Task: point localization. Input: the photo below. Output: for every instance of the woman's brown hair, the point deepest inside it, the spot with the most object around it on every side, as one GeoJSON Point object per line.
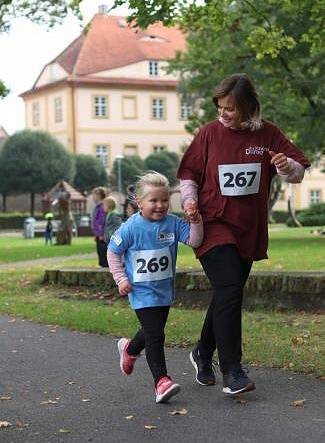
{"type": "Point", "coordinates": [100, 191]}
{"type": "Point", "coordinates": [242, 91]}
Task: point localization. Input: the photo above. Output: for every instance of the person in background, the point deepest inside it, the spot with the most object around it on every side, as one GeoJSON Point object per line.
{"type": "Point", "coordinates": [98, 224]}
{"type": "Point", "coordinates": [113, 219]}
{"type": "Point", "coordinates": [131, 208]}
{"type": "Point", "coordinates": [49, 229]}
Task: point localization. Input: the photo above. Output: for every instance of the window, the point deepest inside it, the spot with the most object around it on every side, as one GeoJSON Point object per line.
{"type": "Point", "coordinates": [159, 148]}
{"type": "Point", "coordinates": [35, 114]}
{"type": "Point", "coordinates": [153, 68]}
{"type": "Point", "coordinates": [100, 103]}
{"type": "Point", "coordinates": [185, 110]}
{"type": "Point", "coordinates": [129, 107]}
{"type": "Point", "coordinates": [315, 196]}
{"type": "Point", "coordinates": [130, 150]}
{"type": "Point", "coordinates": [58, 110]}
{"type": "Point", "coordinates": [158, 108]}
{"type": "Point", "coordinates": [102, 154]}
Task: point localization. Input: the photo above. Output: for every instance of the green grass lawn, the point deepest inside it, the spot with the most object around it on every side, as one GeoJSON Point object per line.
{"type": "Point", "coordinates": [290, 249]}
{"type": "Point", "coordinates": [14, 249]}
{"type": "Point", "coordinates": [284, 340]}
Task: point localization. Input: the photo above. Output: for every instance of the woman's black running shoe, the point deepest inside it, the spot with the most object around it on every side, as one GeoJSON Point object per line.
{"type": "Point", "coordinates": [205, 372]}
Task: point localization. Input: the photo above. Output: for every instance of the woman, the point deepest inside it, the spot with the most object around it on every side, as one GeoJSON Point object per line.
{"type": "Point", "coordinates": [227, 171]}
{"type": "Point", "coordinates": [98, 224]}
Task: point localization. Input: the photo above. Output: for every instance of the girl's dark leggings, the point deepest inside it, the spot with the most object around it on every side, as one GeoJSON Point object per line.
{"type": "Point", "coordinates": [222, 328]}
{"type": "Point", "coordinates": [151, 337]}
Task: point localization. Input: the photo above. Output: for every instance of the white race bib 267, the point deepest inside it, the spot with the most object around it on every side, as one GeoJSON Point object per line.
{"type": "Point", "coordinates": [239, 179]}
{"type": "Point", "coordinates": [152, 265]}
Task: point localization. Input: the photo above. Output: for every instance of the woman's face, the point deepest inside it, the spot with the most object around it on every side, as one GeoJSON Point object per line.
{"type": "Point", "coordinates": [228, 113]}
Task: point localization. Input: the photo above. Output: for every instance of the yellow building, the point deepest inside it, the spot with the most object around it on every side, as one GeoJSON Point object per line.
{"type": "Point", "coordinates": [108, 94]}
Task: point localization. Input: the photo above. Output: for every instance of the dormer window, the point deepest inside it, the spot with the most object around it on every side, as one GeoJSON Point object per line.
{"type": "Point", "coordinates": [153, 68]}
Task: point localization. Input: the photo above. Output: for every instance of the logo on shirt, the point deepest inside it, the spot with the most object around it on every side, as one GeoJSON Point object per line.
{"type": "Point", "coordinates": [116, 239]}
{"type": "Point", "coordinates": [166, 236]}
{"type": "Point", "coordinates": [256, 150]}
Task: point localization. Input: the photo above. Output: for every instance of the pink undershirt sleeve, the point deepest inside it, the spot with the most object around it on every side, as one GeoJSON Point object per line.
{"type": "Point", "coordinates": [196, 234]}
{"type": "Point", "coordinates": [116, 267]}
{"type": "Point", "coordinates": [296, 174]}
{"type": "Point", "coordinates": [189, 191]}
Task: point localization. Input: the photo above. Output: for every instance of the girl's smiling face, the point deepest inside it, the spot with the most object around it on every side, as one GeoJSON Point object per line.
{"type": "Point", "coordinates": [228, 113]}
{"type": "Point", "coordinates": [155, 203]}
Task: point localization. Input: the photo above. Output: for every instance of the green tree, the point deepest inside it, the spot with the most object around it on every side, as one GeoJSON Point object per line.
{"type": "Point", "coordinates": [34, 162]}
{"type": "Point", "coordinates": [164, 162]}
{"type": "Point", "coordinates": [4, 191]}
{"type": "Point", "coordinates": [131, 167]}
{"type": "Point", "coordinates": [90, 172]}
{"type": "Point", "coordinates": [279, 43]}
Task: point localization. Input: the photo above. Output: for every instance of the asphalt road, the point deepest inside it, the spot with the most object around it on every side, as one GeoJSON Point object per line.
{"type": "Point", "coordinates": [63, 386]}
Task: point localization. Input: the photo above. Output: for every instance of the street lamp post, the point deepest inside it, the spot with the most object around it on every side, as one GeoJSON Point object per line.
{"type": "Point", "coordinates": [119, 159]}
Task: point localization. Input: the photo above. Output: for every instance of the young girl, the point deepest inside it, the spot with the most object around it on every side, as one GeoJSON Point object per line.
{"type": "Point", "coordinates": [113, 219]}
{"type": "Point", "coordinates": [149, 241]}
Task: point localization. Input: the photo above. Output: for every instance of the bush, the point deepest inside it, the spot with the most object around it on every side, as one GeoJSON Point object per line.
{"type": "Point", "coordinates": [15, 220]}
{"type": "Point", "coordinates": [280, 216]}
{"type": "Point", "coordinates": [312, 216]}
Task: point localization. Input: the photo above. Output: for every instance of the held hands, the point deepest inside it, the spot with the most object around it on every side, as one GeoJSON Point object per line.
{"type": "Point", "coordinates": [280, 161]}
{"type": "Point", "coordinates": [124, 287]}
{"type": "Point", "coordinates": [191, 210]}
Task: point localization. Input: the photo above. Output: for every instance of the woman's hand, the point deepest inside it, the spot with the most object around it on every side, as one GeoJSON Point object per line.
{"type": "Point", "coordinates": [192, 212]}
{"type": "Point", "coordinates": [280, 161]}
{"type": "Point", "coordinates": [124, 287]}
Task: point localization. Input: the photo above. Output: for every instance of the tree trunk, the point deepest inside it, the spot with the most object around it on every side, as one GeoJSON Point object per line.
{"type": "Point", "coordinates": [291, 207]}
{"type": "Point", "coordinates": [32, 204]}
{"type": "Point", "coordinates": [4, 203]}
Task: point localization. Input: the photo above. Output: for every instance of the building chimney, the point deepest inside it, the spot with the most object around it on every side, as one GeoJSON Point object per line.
{"type": "Point", "coordinates": [102, 9]}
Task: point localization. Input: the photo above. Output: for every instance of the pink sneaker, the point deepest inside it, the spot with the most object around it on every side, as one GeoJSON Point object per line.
{"type": "Point", "coordinates": [165, 389]}
{"type": "Point", "coordinates": [126, 361]}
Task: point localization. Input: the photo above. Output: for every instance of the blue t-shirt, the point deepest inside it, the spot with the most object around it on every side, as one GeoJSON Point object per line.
{"type": "Point", "coordinates": [150, 249]}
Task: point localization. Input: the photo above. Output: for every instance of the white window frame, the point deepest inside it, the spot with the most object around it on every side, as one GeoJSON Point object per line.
{"type": "Point", "coordinates": [58, 116]}
{"type": "Point", "coordinates": [102, 153]}
{"type": "Point", "coordinates": [158, 108]}
{"type": "Point", "coordinates": [35, 113]}
{"type": "Point", "coordinates": [315, 196]}
{"type": "Point", "coordinates": [100, 106]}
{"type": "Point", "coordinates": [153, 68]}
{"type": "Point", "coordinates": [185, 110]}
{"type": "Point", "coordinates": [159, 147]}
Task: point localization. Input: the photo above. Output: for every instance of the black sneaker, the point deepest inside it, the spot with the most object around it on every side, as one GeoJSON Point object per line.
{"type": "Point", "coordinates": [236, 381]}
{"type": "Point", "coordinates": [205, 373]}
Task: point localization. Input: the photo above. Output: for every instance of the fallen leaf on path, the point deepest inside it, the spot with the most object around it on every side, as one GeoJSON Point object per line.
{"type": "Point", "coordinates": [49, 402]}
{"type": "Point", "coordinates": [64, 431]}
{"type": "Point", "coordinates": [5, 398]}
{"type": "Point", "coordinates": [322, 378]}
{"type": "Point", "coordinates": [178, 412]}
{"type": "Point", "coordinates": [129, 417]}
{"type": "Point", "coordinates": [298, 403]}
{"type": "Point", "coordinates": [150, 427]}
{"type": "Point", "coordinates": [21, 424]}
{"type": "Point", "coordinates": [5, 424]}
{"type": "Point", "coordinates": [86, 400]}
{"type": "Point", "coordinates": [239, 399]}
{"type": "Point", "coordinates": [71, 383]}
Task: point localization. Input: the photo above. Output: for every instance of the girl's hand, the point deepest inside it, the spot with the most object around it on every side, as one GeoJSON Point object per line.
{"type": "Point", "coordinates": [280, 161]}
{"type": "Point", "coordinates": [191, 210]}
{"type": "Point", "coordinates": [124, 287]}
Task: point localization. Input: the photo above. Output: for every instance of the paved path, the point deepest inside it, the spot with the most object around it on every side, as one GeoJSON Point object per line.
{"type": "Point", "coordinates": [46, 261]}
{"type": "Point", "coordinates": [80, 372]}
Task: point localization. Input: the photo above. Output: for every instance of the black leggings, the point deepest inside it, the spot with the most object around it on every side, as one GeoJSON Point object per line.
{"type": "Point", "coordinates": [151, 337]}
{"type": "Point", "coordinates": [228, 273]}
{"type": "Point", "coordinates": [101, 247]}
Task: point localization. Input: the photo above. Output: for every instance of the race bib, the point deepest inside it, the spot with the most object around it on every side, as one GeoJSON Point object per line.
{"type": "Point", "coordinates": [152, 265]}
{"type": "Point", "coordinates": [239, 179]}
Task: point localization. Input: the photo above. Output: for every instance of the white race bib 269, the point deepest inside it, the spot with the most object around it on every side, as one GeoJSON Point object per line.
{"type": "Point", "coordinates": [152, 265]}
{"type": "Point", "coordinates": [239, 179]}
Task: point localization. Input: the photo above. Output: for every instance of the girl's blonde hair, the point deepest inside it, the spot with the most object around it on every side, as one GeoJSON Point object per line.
{"type": "Point", "coordinates": [150, 179]}
{"type": "Point", "coordinates": [100, 191]}
{"type": "Point", "coordinates": [110, 202]}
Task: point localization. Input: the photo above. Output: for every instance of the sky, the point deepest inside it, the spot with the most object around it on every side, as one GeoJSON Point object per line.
{"type": "Point", "coordinates": [27, 48]}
